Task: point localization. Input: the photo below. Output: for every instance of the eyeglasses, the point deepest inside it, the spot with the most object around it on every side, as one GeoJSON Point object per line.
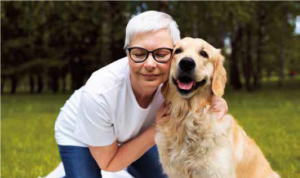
{"type": "Point", "coordinates": [139, 55]}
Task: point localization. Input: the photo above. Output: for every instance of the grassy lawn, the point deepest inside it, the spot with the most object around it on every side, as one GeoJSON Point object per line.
{"type": "Point", "coordinates": [28, 147]}
{"type": "Point", "coordinates": [270, 116]}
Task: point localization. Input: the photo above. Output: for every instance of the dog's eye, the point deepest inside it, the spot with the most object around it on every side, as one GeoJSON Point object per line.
{"type": "Point", "coordinates": [204, 54]}
{"type": "Point", "coordinates": [178, 50]}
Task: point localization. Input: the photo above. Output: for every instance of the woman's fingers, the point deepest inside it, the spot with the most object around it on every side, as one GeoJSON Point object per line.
{"type": "Point", "coordinates": [219, 106]}
{"type": "Point", "coordinates": [163, 111]}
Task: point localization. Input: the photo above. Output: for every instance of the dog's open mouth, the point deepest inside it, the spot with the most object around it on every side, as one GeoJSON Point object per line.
{"type": "Point", "coordinates": [186, 84]}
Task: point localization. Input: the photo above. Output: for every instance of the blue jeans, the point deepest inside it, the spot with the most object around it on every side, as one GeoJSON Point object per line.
{"type": "Point", "coordinates": [79, 163]}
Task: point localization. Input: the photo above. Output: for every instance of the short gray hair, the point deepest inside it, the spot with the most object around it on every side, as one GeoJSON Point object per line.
{"type": "Point", "coordinates": [151, 21]}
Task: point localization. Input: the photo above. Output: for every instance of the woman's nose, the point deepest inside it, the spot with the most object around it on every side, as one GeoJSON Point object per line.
{"type": "Point", "coordinates": [150, 63]}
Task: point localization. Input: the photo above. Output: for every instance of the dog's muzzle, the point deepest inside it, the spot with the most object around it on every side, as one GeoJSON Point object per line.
{"type": "Point", "coordinates": [185, 81]}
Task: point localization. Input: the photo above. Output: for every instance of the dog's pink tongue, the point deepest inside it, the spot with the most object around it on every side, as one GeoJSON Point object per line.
{"type": "Point", "coordinates": [185, 86]}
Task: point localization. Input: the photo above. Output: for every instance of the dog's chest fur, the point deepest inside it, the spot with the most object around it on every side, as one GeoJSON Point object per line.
{"type": "Point", "coordinates": [196, 147]}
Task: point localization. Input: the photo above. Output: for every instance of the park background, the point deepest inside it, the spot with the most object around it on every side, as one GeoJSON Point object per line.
{"type": "Point", "coordinates": [49, 49]}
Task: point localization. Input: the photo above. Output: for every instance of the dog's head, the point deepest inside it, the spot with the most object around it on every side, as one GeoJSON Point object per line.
{"type": "Point", "coordinates": [196, 66]}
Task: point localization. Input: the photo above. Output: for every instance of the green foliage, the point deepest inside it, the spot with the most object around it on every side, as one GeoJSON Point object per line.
{"type": "Point", "coordinates": [77, 37]}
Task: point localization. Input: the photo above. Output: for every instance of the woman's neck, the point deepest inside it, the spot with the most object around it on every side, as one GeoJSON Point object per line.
{"type": "Point", "coordinates": [142, 95]}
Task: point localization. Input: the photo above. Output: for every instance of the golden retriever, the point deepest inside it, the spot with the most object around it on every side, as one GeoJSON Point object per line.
{"type": "Point", "coordinates": [193, 143]}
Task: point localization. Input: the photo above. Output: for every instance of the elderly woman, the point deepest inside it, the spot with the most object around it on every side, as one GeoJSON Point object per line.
{"type": "Point", "coordinates": [109, 124]}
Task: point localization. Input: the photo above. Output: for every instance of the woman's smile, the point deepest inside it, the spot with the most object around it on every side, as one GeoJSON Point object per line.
{"type": "Point", "coordinates": [150, 76]}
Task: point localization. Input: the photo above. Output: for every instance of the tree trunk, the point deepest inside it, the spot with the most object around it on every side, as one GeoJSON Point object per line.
{"type": "Point", "coordinates": [282, 57]}
{"type": "Point", "coordinates": [77, 73]}
{"type": "Point", "coordinates": [54, 79]}
{"type": "Point", "coordinates": [260, 44]}
{"type": "Point", "coordinates": [247, 62]}
{"type": "Point", "coordinates": [63, 73]}
{"type": "Point", "coordinates": [281, 67]}
{"type": "Point", "coordinates": [31, 83]}
{"type": "Point", "coordinates": [40, 83]}
{"type": "Point", "coordinates": [14, 84]}
{"type": "Point", "coordinates": [235, 80]}
{"type": "Point", "coordinates": [3, 79]}
{"type": "Point", "coordinates": [64, 84]}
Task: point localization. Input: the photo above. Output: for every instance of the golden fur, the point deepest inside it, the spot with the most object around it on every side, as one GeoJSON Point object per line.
{"type": "Point", "coordinates": [192, 143]}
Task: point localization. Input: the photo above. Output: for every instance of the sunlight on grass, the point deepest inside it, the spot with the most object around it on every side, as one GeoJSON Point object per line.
{"type": "Point", "coordinates": [269, 116]}
{"type": "Point", "coordinates": [28, 144]}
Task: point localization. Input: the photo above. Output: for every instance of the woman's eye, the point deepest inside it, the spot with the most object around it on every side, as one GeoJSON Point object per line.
{"type": "Point", "coordinates": [177, 51]}
{"type": "Point", "coordinates": [204, 54]}
{"type": "Point", "coordinates": [139, 55]}
{"type": "Point", "coordinates": [161, 55]}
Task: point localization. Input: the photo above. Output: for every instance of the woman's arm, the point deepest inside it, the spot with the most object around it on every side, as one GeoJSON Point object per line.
{"type": "Point", "coordinates": [113, 158]}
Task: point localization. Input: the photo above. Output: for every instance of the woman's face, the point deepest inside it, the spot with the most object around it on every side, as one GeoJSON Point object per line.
{"type": "Point", "coordinates": [150, 73]}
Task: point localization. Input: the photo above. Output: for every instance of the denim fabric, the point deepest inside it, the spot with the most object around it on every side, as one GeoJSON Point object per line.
{"type": "Point", "coordinates": [79, 163]}
{"type": "Point", "coordinates": [147, 166]}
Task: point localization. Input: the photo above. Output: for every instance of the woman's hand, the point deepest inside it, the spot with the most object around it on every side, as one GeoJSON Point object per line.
{"type": "Point", "coordinates": [163, 112]}
{"type": "Point", "coordinates": [219, 106]}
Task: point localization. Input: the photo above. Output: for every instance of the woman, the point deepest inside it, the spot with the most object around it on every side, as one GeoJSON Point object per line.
{"type": "Point", "coordinates": [109, 124]}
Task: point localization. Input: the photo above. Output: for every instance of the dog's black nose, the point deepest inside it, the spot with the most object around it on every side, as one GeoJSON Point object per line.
{"type": "Point", "coordinates": [187, 64]}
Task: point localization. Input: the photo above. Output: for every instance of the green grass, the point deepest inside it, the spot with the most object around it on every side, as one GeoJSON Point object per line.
{"type": "Point", "coordinates": [269, 116]}
{"type": "Point", "coordinates": [28, 147]}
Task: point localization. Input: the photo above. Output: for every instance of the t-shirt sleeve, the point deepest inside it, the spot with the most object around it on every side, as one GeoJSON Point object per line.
{"type": "Point", "coordinates": [94, 125]}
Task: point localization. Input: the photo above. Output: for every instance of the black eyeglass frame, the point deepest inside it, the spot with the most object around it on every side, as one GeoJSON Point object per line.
{"type": "Point", "coordinates": [148, 52]}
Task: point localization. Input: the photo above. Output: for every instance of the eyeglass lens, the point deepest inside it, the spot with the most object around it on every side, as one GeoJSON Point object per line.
{"type": "Point", "coordinates": [161, 55]}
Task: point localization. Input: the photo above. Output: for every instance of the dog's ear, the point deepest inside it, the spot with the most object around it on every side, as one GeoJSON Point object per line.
{"type": "Point", "coordinates": [219, 76]}
{"type": "Point", "coordinates": [165, 88]}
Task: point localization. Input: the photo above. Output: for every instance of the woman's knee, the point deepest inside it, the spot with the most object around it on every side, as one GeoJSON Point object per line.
{"type": "Point", "coordinates": [78, 162]}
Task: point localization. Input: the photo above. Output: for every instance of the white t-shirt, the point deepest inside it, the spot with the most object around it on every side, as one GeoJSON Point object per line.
{"type": "Point", "coordinates": [105, 110]}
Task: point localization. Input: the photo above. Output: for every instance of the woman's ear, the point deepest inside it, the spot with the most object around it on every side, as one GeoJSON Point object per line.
{"type": "Point", "coordinates": [219, 76]}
